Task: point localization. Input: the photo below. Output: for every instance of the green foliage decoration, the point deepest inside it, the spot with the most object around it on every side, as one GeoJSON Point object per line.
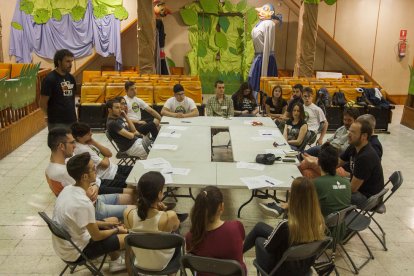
{"type": "Point", "coordinates": [209, 6]}
{"type": "Point", "coordinates": [26, 6]}
{"type": "Point", "coordinates": [220, 40]}
{"type": "Point", "coordinates": [41, 16]}
{"type": "Point", "coordinates": [100, 11]}
{"type": "Point", "coordinates": [202, 49]}
{"type": "Point", "coordinates": [77, 13]}
{"type": "Point", "coordinates": [252, 17]}
{"type": "Point", "coordinates": [224, 23]}
{"type": "Point", "coordinates": [56, 14]}
{"type": "Point", "coordinates": [241, 6]}
{"type": "Point", "coordinates": [121, 13]}
{"type": "Point", "coordinates": [189, 17]}
{"type": "Point", "coordinates": [330, 2]}
{"type": "Point", "coordinates": [17, 26]}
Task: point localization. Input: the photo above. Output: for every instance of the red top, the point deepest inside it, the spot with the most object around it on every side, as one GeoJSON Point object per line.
{"type": "Point", "coordinates": [225, 242]}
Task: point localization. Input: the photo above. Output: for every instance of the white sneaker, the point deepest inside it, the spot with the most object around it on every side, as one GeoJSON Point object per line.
{"type": "Point", "coordinates": [117, 265]}
{"type": "Point", "coordinates": [271, 209]}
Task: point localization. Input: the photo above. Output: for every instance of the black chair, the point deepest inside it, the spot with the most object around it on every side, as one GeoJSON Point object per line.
{"type": "Point", "coordinates": [154, 241]}
{"type": "Point", "coordinates": [357, 221]}
{"type": "Point", "coordinates": [124, 158]}
{"type": "Point", "coordinates": [308, 136]}
{"type": "Point", "coordinates": [396, 179]}
{"type": "Point", "coordinates": [61, 233]}
{"type": "Point", "coordinates": [297, 253]}
{"type": "Point", "coordinates": [221, 267]}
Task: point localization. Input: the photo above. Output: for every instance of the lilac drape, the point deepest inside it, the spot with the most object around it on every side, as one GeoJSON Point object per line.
{"type": "Point", "coordinates": [78, 37]}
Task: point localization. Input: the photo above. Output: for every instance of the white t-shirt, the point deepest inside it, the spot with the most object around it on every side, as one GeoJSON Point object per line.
{"type": "Point", "coordinates": [314, 116]}
{"type": "Point", "coordinates": [184, 107]}
{"type": "Point", "coordinates": [96, 156]}
{"type": "Point", "coordinates": [57, 177]}
{"type": "Point", "coordinates": [134, 107]}
{"type": "Point", "coordinates": [73, 211]}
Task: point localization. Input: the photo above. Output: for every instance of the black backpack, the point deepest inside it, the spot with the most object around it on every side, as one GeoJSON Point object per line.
{"type": "Point", "coordinates": [338, 99]}
{"type": "Point", "coordinates": [323, 100]}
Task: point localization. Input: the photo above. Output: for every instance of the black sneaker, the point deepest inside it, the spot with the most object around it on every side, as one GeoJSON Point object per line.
{"type": "Point", "coordinates": [182, 217]}
{"type": "Point", "coordinates": [271, 209]}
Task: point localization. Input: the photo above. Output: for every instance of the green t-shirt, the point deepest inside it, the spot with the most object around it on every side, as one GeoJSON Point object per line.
{"type": "Point", "coordinates": [334, 193]}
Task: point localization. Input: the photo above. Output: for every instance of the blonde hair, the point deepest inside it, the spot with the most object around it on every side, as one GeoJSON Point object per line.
{"type": "Point", "coordinates": [305, 223]}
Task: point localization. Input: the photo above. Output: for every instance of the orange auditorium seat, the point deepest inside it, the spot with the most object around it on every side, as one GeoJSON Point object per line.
{"type": "Point", "coordinates": [113, 91]}
{"type": "Point", "coordinates": [146, 93]}
{"type": "Point", "coordinates": [162, 93]}
{"type": "Point", "coordinates": [92, 94]}
{"type": "Point", "coordinates": [88, 75]}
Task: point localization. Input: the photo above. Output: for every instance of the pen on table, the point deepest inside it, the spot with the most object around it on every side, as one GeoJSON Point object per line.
{"type": "Point", "coordinates": [292, 177]}
{"type": "Point", "coordinates": [270, 182]}
{"type": "Point", "coordinates": [173, 132]}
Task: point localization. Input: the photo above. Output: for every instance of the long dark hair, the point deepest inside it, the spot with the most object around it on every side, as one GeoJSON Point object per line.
{"type": "Point", "coordinates": [149, 186]}
{"type": "Point", "coordinates": [240, 92]}
{"type": "Point", "coordinates": [280, 99]}
{"type": "Point", "coordinates": [302, 116]}
{"type": "Point", "coordinates": [203, 212]}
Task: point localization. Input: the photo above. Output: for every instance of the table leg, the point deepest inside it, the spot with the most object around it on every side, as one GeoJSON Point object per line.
{"type": "Point", "coordinates": [247, 202]}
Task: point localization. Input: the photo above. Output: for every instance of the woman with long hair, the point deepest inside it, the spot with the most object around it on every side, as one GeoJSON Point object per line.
{"type": "Point", "coordinates": [276, 105]}
{"type": "Point", "coordinates": [305, 224]}
{"type": "Point", "coordinates": [149, 216]}
{"type": "Point", "coordinates": [296, 127]}
{"type": "Point", "coordinates": [244, 102]}
{"type": "Point", "coordinates": [209, 235]}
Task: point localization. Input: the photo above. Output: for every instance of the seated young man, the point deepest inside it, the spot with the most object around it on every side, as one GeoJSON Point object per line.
{"type": "Point", "coordinates": [75, 212]}
{"type": "Point", "coordinates": [123, 131]}
{"type": "Point", "coordinates": [134, 107]}
{"type": "Point", "coordinates": [112, 176]}
{"type": "Point", "coordinates": [179, 106]}
{"type": "Point", "coordinates": [62, 144]}
{"type": "Point", "coordinates": [315, 115]}
{"type": "Point", "coordinates": [220, 105]}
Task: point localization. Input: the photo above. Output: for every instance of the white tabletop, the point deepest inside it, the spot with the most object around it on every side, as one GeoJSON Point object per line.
{"type": "Point", "coordinates": [228, 175]}
{"type": "Point", "coordinates": [194, 144]}
{"type": "Point", "coordinates": [201, 174]}
{"type": "Point", "coordinates": [217, 122]}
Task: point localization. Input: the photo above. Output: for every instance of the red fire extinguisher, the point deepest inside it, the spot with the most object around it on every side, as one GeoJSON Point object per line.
{"type": "Point", "coordinates": [402, 48]}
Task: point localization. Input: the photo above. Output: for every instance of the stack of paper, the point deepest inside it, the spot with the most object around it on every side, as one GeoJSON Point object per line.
{"type": "Point", "coordinates": [251, 166]}
{"type": "Point", "coordinates": [261, 181]}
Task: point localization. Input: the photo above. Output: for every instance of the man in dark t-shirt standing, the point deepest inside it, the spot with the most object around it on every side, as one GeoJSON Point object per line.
{"type": "Point", "coordinates": [57, 98]}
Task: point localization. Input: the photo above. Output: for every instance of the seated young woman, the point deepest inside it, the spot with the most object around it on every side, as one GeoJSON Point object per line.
{"type": "Point", "coordinates": [149, 216]}
{"type": "Point", "coordinates": [296, 127]}
{"type": "Point", "coordinates": [244, 102]}
{"type": "Point", "coordinates": [276, 105]}
{"type": "Point", "coordinates": [305, 224]}
{"type": "Point", "coordinates": [209, 235]}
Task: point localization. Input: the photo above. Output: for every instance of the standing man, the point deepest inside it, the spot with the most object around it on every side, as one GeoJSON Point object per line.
{"type": "Point", "coordinates": [316, 119]}
{"type": "Point", "coordinates": [220, 105]}
{"type": "Point", "coordinates": [57, 98]}
{"type": "Point", "coordinates": [179, 106]}
{"type": "Point", "coordinates": [135, 105]}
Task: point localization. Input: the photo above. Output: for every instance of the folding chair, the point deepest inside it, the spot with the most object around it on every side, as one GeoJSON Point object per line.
{"type": "Point", "coordinates": [308, 136]}
{"type": "Point", "coordinates": [61, 233]}
{"type": "Point", "coordinates": [396, 179]}
{"type": "Point", "coordinates": [154, 241]}
{"type": "Point", "coordinates": [357, 221]}
{"type": "Point", "coordinates": [297, 253]}
{"type": "Point", "coordinates": [221, 267]}
{"type": "Point", "coordinates": [124, 158]}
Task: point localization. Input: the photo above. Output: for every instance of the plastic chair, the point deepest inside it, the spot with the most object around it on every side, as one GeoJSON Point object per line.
{"type": "Point", "coordinates": [154, 241]}
{"type": "Point", "coordinates": [221, 267]}
{"type": "Point", "coordinates": [124, 158]}
{"type": "Point", "coordinates": [297, 253]}
{"type": "Point", "coordinates": [61, 233]}
{"type": "Point", "coordinates": [357, 221]}
{"type": "Point", "coordinates": [396, 179]}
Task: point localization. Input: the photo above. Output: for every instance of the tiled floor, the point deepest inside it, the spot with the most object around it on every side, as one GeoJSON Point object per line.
{"type": "Point", "coordinates": [25, 245]}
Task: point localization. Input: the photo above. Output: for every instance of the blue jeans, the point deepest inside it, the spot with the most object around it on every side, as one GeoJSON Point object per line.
{"type": "Point", "coordinates": [107, 206]}
{"type": "Point", "coordinates": [314, 151]}
{"type": "Point", "coordinates": [358, 199]}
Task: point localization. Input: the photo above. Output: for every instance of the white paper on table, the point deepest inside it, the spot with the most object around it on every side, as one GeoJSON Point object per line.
{"type": "Point", "coordinates": [155, 163]}
{"type": "Point", "coordinates": [251, 166]}
{"type": "Point", "coordinates": [177, 127]}
{"type": "Point", "coordinates": [277, 152]}
{"type": "Point", "coordinates": [261, 181]}
{"type": "Point", "coordinates": [169, 134]}
{"type": "Point", "coordinates": [176, 171]}
{"type": "Point", "coordinates": [263, 138]}
{"type": "Point", "coordinates": [168, 178]}
{"type": "Point", "coordinates": [270, 132]}
{"type": "Point", "coordinates": [164, 147]}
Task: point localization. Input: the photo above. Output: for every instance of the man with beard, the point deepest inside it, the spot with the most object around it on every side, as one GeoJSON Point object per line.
{"type": "Point", "coordinates": [296, 97]}
{"type": "Point", "coordinates": [57, 98]}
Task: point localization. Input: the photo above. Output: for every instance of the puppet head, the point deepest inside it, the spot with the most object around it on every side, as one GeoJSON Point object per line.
{"type": "Point", "coordinates": [266, 12]}
{"type": "Point", "coordinates": [160, 8]}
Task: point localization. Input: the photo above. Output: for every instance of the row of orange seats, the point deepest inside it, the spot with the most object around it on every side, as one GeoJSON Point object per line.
{"type": "Point", "coordinates": [122, 76]}
{"type": "Point", "coordinates": [10, 70]}
{"type": "Point", "coordinates": [151, 94]}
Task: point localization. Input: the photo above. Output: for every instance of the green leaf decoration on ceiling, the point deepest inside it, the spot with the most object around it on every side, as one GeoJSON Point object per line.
{"type": "Point", "coordinates": [26, 6]}
{"type": "Point", "coordinates": [202, 48]}
{"type": "Point", "coordinates": [56, 14]}
{"type": "Point", "coordinates": [209, 6]}
{"type": "Point", "coordinates": [220, 40]}
{"type": "Point", "coordinates": [41, 16]}
{"type": "Point", "coordinates": [330, 2]}
{"type": "Point", "coordinates": [100, 11]}
{"type": "Point", "coordinates": [241, 6]}
{"type": "Point", "coordinates": [189, 17]}
{"type": "Point", "coordinates": [224, 23]}
{"type": "Point", "coordinates": [121, 13]}
{"type": "Point", "coordinates": [252, 16]}
{"type": "Point", "coordinates": [17, 26]}
{"type": "Point", "coordinates": [77, 13]}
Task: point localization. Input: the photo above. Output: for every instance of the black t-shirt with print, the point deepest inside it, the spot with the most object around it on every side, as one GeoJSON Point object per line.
{"type": "Point", "coordinates": [278, 109]}
{"type": "Point", "coordinates": [61, 92]}
{"type": "Point", "coordinates": [114, 125]}
{"type": "Point", "coordinates": [244, 104]}
{"type": "Point", "coordinates": [365, 165]}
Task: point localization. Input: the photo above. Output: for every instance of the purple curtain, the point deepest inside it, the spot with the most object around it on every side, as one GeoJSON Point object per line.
{"type": "Point", "coordinates": [78, 37]}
